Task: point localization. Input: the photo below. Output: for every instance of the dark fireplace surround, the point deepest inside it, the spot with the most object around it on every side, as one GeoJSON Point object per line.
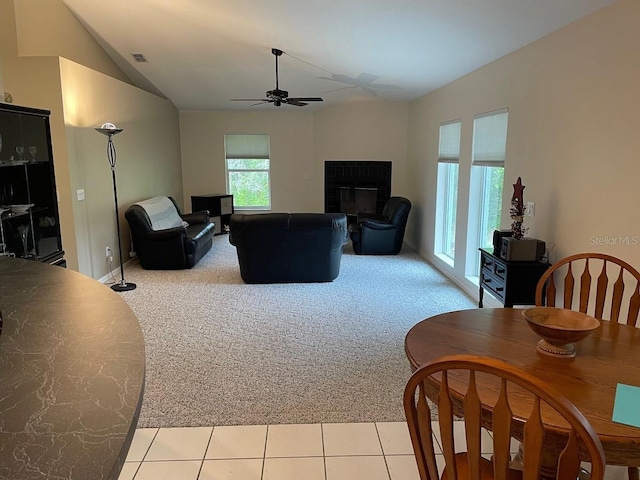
{"type": "Point", "coordinates": [350, 185]}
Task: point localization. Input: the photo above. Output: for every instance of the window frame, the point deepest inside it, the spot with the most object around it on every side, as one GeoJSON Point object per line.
{"type": "Point", "coordinates": [492, 155]}
{"type": "Point", "coordinates": [447, 194]}
{"type": "Point", "coordinates": [252, 154]}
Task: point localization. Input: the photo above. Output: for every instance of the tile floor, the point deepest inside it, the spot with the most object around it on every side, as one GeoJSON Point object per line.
{"type": "Point", "coordinates": [328, 451]}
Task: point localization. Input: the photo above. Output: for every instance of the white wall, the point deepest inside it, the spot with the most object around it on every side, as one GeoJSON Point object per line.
{"type": "Point", "coordinates": [573, 100]}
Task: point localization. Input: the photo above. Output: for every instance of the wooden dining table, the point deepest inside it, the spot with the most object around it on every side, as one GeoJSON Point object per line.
{"type": "Point", "coordinates": [610, 355]}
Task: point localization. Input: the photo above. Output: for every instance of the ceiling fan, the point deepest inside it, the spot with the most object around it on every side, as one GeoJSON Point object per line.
{"type": "Point", "coordinates": [365, 81]}
{"type": "Point", "coordinates": [277, 96]}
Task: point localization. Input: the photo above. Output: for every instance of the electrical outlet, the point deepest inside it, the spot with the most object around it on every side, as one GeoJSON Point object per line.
{"type": "Point", "coordinates": [109, 253]}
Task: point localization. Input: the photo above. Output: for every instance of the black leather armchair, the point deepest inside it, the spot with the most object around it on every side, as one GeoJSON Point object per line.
{"type": "Point", "coordinates": [381, 235]}
{"type": "Point", "coordinates": [171, 248]}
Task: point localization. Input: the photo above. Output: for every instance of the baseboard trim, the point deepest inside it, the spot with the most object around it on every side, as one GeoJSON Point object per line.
{"type": "Point", "coordinates": [108, 278]}
{"type": "Point", "coordinates": [488, 301]}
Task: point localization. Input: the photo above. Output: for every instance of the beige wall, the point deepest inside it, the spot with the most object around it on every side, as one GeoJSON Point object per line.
{"type": "Point", "coordinates": [573, 100]}
{"type": "Point", "coordinates": [48, 28]}
{"type": "Point", "coordinates": [291, 145]}
{"type": "Point", "coordinates": [79, 99]}
{"type": "Point", "coordinates": [300, 143]}
{"type": "Point", "coordinates": [148, 157]}
{"type": "Point", "coordinates": [35, 82]}
{"type": "Point", "coordinates": [369, 130]}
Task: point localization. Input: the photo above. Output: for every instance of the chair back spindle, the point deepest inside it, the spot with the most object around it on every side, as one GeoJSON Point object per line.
{"type": "Point", "coordinates": [617, 287]}
{"type": "Point", "coordinates": [453, 382]}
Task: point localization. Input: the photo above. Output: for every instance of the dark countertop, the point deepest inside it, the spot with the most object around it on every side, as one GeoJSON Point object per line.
{"type": "Point", "coordinates": [71, 374]}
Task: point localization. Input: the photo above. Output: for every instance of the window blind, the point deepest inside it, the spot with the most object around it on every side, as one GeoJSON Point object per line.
{"type": "Point", "coordinates": [490, 138]}
{"type": "Point", "coordinates": [254, 146]}
{"type": "Point", "coordinates": [449, 144]}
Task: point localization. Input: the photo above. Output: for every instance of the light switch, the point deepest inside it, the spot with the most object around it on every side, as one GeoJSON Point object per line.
{"type": "Point", "coordinates": [530, 211]}
{"type": "Point", "coordinates": [80, 194]}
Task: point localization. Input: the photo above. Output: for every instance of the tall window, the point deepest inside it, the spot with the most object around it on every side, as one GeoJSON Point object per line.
{"type": "Point", "coordinates": [487, 180]}
{"type": "Point", "coordinates": [247, 164]}
{"type": "Point", "coordinates": [447, 190]}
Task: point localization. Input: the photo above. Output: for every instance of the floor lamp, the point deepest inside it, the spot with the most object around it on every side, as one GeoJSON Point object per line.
{"type": "Point", "coordinates": [109, 129]}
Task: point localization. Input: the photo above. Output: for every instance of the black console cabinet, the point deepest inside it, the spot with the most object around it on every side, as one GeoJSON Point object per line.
{"type": "Point", "coordinates": [220, 207]}
{"type": "Point", "coordinates": [30, 223]}
{"type": "Point", "coordinates": [512, 283]}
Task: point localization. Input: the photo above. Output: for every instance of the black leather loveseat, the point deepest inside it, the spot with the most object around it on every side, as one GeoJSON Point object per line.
{"type": "Point", "coordinates": [289, 247]}
{"type": "Point", "coordinates": [166, 239]}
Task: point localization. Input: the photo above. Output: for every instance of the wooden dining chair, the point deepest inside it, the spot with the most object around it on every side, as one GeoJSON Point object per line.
{"type": "Point", "coordinates": [607, 288]}
{"type": "Point", "coordinates": [451, 382]}
{"type": "Point", "coordinates": [615, 295]}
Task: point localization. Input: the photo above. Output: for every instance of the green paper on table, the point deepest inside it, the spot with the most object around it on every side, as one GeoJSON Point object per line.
{"type": "Point", "coordinates": [625, 405]}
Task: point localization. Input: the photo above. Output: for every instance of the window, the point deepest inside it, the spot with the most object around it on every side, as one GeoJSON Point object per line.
{"type": "Point", "coordinates": [247, 164]}
{"type": "Point", "coordinates": [487, 180]}
{"type": "Point", "coordinates": [447, 190]}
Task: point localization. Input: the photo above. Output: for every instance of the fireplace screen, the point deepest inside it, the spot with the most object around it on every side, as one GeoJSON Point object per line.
{"type": "Point", "coordinates": [358, 199]}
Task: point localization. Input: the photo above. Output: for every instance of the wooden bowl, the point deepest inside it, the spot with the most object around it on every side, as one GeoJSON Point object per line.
{"type": "Point", "coordinates": [559, 329]}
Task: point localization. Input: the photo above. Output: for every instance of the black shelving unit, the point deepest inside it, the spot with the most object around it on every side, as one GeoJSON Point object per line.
{"type": "Point", "coordinates": [30, 222]}
{"type": "Point", "coordinates": [220, 207]}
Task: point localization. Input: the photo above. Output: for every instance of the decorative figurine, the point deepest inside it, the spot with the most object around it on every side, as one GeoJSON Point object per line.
{"type": "Point", "coordinates": [517, 210]}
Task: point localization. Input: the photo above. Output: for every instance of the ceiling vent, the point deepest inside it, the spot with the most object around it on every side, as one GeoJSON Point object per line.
{"type": "Point", "coordinates": [139, 57]}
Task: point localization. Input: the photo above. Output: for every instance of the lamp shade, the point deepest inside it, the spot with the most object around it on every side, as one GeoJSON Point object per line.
{"type": "Point", "coordinates": [108, 129]}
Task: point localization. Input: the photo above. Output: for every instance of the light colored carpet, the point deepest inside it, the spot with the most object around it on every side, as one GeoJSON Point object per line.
{"type": "Point", "coordinates": [220, 352]}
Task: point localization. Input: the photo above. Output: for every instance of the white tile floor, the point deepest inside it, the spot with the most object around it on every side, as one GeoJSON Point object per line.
{"type": "Point", "coordinates": [328, 451]}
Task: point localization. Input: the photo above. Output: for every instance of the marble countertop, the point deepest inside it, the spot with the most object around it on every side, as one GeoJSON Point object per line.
{"type": "Point", "coordinates": [72, 366]}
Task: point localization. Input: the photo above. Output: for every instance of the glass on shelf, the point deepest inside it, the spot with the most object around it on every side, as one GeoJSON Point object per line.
{"type": "Point", "coordinates": [32, 151]}
{"type": "Point", "coordinates": [7, 199]}
{"type": "Point", "coordinates": [23, 231]}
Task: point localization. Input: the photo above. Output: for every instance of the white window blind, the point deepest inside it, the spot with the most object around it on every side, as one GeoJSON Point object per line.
{"type": "Point", "coordinates": [449, 146]}
{"type": "Point", "coordinates": [490, 138]}
{"type": "Point", "coordinates": [246, 146]}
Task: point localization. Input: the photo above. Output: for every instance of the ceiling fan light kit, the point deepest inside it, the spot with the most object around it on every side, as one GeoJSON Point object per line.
{"type": "Point", "coordinates": [277, 96]}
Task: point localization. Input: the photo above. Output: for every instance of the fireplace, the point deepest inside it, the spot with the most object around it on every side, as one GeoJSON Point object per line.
{"type": "Point", "coordinates": [356, 186]}
{"type": "Point", "coordinates": [358, 199]}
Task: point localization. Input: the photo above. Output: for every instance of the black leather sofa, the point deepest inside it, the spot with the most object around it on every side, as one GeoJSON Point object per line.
{"type": "Point", "coordinates": [384, 234]}
{"type": "Point", "coordinates": [172, 248]}
{"type": "Point", "coordinates": [289, 247]}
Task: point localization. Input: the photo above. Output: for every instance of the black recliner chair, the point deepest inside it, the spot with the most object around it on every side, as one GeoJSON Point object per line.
{"type": "Point", "coordinates": [381, 235]}
{"type": "Point", "coordinates": [171, 248]}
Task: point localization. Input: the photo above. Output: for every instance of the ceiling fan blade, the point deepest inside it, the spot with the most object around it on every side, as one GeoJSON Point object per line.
{"type": "Point", "coordinates": [366, 78]}
{"type": "Point", "coordinates": [261, 103]}
{"type": "Point", "coordinates": [294, 101]}
{"type": "Point", "coordinates": [340, 88]}
{"type": "Point", "coordinates": [370, 91]}
{"type": "Point", "coordinates": [277, 96]}
{"type": "Point", "coordinates": [339, 77]}
{"type": "Point", "coordinates": [333, 79]}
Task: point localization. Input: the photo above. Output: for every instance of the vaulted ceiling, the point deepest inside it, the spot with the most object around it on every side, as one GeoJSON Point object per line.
{"type": "Point", "coordinates": [202, 53]}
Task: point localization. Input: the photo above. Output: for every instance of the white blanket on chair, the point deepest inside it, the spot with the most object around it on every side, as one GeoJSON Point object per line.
{"type": "Point", "coordinates": [162, 213]}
